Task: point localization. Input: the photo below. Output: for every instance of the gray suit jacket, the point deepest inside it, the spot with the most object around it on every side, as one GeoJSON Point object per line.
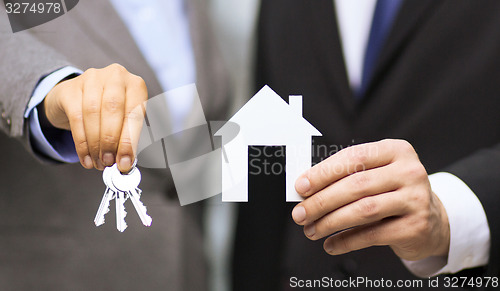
{"type": "Point", "coordinates": [48, 239]}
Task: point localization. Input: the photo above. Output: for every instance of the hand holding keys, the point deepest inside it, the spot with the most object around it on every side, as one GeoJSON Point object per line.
{"type": "Point", "coordinates": [121, 187]}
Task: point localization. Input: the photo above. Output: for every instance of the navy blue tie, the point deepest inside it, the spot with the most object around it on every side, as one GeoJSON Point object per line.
{"type": "Point", "coordinates": [383, 17]}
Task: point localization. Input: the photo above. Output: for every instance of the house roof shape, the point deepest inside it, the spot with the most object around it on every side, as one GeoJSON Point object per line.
{"type": "Point", "coordinates": [267, 117]}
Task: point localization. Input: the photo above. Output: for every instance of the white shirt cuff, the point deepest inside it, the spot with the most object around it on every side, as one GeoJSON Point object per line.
{"type": "Point", "coordinates": [63, 153]}
{"type": "Point", "coordinates": [469, 231]}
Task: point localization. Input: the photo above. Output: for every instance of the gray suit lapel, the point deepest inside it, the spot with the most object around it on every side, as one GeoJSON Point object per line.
{"type": "Point", "coordinates": [109, 32]}
{"type": "Point", "coordinates": [211, 74]}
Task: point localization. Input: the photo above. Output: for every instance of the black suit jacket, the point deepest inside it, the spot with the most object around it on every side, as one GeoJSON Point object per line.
{"type": "Point", "coordinates": [436, 85]}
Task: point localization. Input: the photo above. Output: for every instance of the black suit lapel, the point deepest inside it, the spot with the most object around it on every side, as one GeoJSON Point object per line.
{"type": "Point", "coordinates": [412, 15]}
{"type": "Point", "coordinates": [324, 18]}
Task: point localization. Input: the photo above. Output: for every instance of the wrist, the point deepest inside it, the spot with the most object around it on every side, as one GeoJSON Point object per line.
{"type": "Point", "coordinates": [443, 246]}
{"type": "Point", "coordinates": [47, 110]}
{"type": "Point", "coordinates": [42, 116]}
{"type": "Point", "coordinates": [53, 108]}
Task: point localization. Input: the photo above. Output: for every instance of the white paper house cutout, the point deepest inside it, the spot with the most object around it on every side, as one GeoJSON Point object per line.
{"type": "Point", "coordinates": [265, 120]}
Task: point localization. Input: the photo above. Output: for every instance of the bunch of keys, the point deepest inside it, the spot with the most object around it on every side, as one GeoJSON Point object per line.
{"type": "Point", "coordinates": [121, 187]}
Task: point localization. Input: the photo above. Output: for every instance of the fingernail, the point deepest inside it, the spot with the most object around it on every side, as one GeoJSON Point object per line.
{"type": "Point", "coordinates": [87, 162]}
{"type": "Point", "coordinates": [303, 185]}
{"type": "Point", "coordinates": [309, 230]}
{"type": "Point", "coordinates": [299, 214]}
{"type": "Point", "coordinates": [125, 163]}
{"type": "Point", "coordinates": [100, 166]}
{"type": "Point", "coordinates": [329, 248]}
{"type": "Point", "coordinates": [108, 159]}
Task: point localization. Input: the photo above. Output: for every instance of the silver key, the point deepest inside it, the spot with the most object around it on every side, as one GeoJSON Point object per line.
{"type": "Point", "coordinates": [128, 183]}
{"type": "Point", "coordinates": [121, 187]}
{"type": "Point", "coordinates": [120, 198]}
{"type": "Point", "coordinates": [121, 225]}
{"type": "Point", "coordinates": [109, 194]}
{"type": "Point", "coordinates": [139, 207]}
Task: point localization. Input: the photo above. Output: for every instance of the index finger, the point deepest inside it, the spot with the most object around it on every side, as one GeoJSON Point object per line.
{"type": "Point", "coordinates": [346, 162]}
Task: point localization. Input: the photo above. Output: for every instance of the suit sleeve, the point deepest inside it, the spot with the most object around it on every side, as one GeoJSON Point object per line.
{"type": "Point", "coordinates": [481, 172]}
{"type": "Point", "coordinates": [24, 61]}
